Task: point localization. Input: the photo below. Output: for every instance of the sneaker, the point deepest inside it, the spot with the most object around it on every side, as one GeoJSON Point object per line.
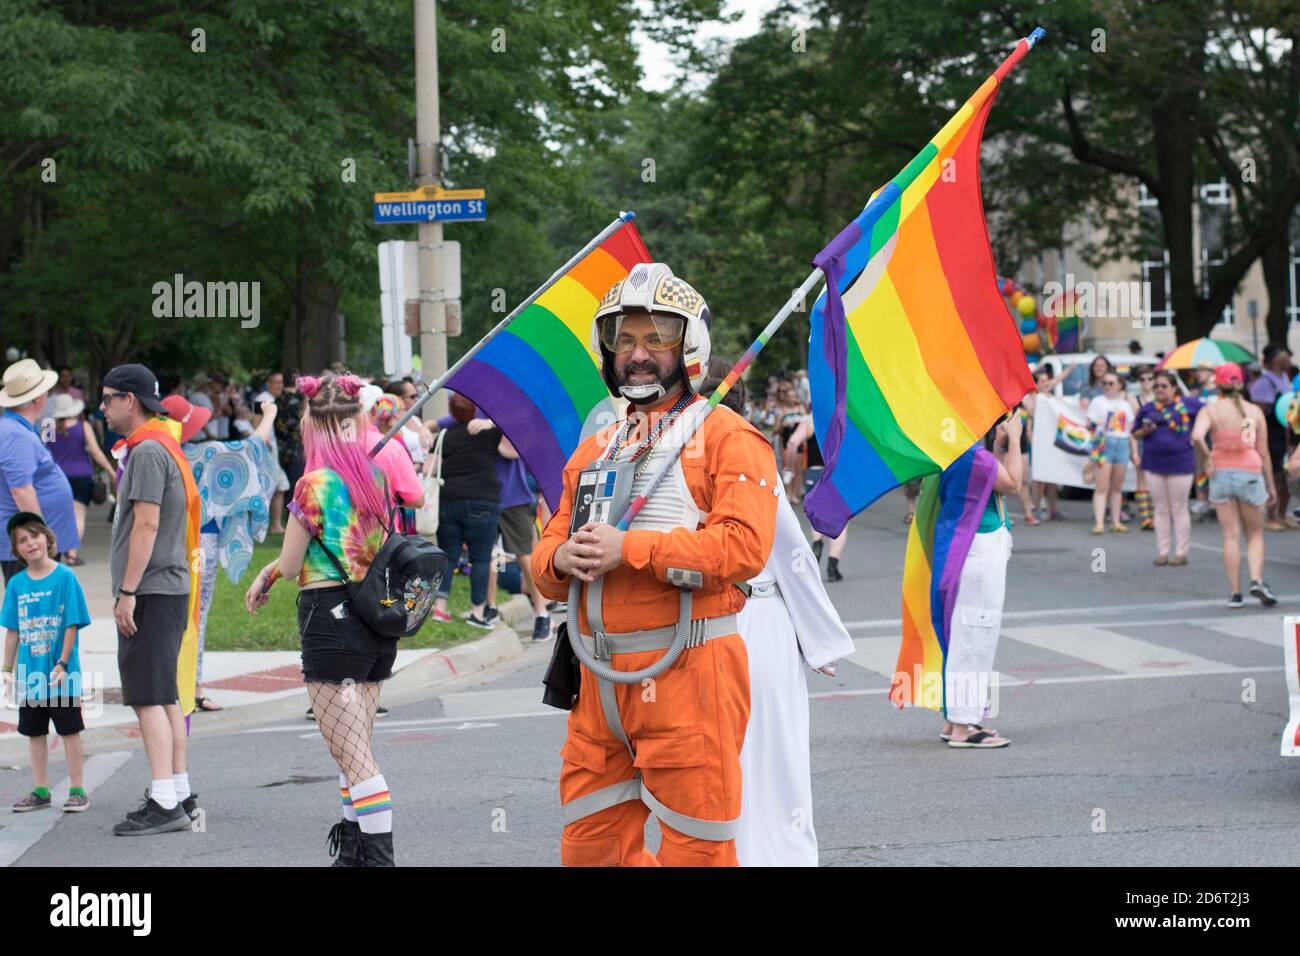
{"type": "Point", "coordinates": [311, 714]}
{"type": "Point", "coordinates": [151, 819]}
{"type": "Point", "coordinates": [381, 712]}
{"type": "Point", "coordinates": [1234, 599]}
{"type": "Point", "coordinates": [1262, 591]}
{"type": "Point", "coordinates": [478, 622]}
{"type": "Point", "coordinates": [442, 617]}
{"type": "Point", "coordinates": [190, 805]}
{"type": "Point", "coordinates": [31, 802]}
{"type": "Point", "coordinates": [490, 614]}
{"type": "Point", "coordinates": [76, 803]}
{"type": "Point", "coordinates": [541, 629]}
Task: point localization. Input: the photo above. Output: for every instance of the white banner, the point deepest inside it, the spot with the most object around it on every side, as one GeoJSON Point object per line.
{"type": "Point", "coordinates": [1291, 647]}
{"type": "Point", "coordinates": [1062, 442]}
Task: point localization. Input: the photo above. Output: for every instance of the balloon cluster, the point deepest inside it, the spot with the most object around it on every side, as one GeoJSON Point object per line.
{"type": "Point", "coordinates": [1034, 335]}
{"type": "Point", "coordinates": [1053, 329]}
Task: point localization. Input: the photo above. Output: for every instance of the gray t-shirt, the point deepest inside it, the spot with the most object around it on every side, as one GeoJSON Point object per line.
{"type": "Point", "coordinates": [151, 475]}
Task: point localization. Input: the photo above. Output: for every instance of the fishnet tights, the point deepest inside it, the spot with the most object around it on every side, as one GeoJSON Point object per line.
{"type": "Point", "coordinates": [345, 714]}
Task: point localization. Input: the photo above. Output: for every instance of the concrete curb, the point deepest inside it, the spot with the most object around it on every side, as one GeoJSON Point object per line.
{"type": "Point", "coordinates": [410, 683]}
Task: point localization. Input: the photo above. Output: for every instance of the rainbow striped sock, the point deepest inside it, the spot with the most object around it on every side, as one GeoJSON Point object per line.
{"type": "Point", "coordinates": [345, 794]}
{"type": "Point", "coordinates": [373, 805]}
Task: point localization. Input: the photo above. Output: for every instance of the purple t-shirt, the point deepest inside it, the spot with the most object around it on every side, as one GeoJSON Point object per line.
{"type": "Point", "coordinates": [1266, 389]}
{"type": "Point", "coordinates": [69, 451]}
{"type": "Point", "coordinates": [24, 460]}
{"type": "Point", "coordinates": [514, 483]}
{"type": "Point", "coordinates": [1166, 451]}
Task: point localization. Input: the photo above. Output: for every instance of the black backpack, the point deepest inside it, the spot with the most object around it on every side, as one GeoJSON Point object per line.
{"type": "Point", "coordinates": [396, 595]}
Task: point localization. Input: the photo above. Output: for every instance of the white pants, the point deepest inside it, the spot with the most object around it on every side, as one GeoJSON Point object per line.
{"type": "Point", "coordinates": [776, 820]}
{"type": "Point", "coordinates": [976, 622]}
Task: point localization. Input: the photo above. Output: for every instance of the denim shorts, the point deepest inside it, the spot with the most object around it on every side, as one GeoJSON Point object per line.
{"type": "Point", "coordinates": [1237, 483]}
{"type": "Point", "coordinates": [1116, 450]}
{"type": "Point", "coordinates": [338, 646]}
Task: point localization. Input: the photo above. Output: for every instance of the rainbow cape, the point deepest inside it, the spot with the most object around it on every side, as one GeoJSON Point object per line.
{"type": "Point", "coordinates": [538, 379]}
{"type": "Point", "coordinates": [167, 433]}
{"type": "Point", "coordinates": [947, 515]}
{"type": "Point", "coordinates": [913, 355]}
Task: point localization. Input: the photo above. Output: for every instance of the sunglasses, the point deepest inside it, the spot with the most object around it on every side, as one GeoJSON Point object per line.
{"type": "Point", "coordinates": [109, 396]}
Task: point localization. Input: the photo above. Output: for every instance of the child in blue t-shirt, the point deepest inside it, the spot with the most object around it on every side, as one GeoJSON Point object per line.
{"type": "Point", "coordinates": [43, 610]}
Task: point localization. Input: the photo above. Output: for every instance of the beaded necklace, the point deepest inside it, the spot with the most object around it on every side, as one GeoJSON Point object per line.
{"type": "Point", "coordinates": [1184, 420]}
{"type": "Point", "coordinates": [656, 433]}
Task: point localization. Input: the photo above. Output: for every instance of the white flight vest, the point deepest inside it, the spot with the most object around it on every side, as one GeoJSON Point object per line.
{"type": "Point", "coordinates": [672, 505]}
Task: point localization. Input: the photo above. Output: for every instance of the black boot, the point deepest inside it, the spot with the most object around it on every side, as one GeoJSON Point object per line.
{"type": "Point", "coordinates": [817, 549]}
{"type": "Point", "coordinates": [345, 843]}
{"type": "Point", "coordinates": [833, 570]}
{"type": "Point", "coordinates": [377, 849]}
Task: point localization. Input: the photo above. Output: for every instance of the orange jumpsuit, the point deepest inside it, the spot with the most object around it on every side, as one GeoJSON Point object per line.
{"type": "Point", "coordinates": [684, 730]}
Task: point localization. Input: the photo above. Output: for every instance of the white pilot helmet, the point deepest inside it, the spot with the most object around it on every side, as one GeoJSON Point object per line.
{"type": "Point", "coordinates": [652, 289]}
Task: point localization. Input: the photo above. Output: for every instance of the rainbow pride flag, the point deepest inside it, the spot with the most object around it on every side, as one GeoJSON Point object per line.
{"type": "Point", "coordinates": [913, 355]}
{"type": "Point", "coordinates": [947, 515]}
{"type": "Point", "coordinates": [538, 379]}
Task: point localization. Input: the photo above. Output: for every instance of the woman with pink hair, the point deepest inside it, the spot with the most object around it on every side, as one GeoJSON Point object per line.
{"type": "Point", "coordinates": [341, 506]}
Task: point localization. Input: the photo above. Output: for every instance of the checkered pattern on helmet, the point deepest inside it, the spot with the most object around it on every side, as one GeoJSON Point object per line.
{"type": "Point", "coordinates": [612, 295]}
{"type": "Point", "coordinates": [675, 292]}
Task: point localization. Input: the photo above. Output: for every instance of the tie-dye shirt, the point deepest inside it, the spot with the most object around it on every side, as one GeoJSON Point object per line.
{"type": "Point", "coordinates": [322, 503]}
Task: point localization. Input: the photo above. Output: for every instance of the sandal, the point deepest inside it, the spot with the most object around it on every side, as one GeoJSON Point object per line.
{"type": "Point", "coordinates": [981, 741]}
{"type": "Point", "coordinates": [201, 703]}
{"type": "Point", "coordinates": [1178, 562]}
{"type": "Point", "coordinates": [947, 737]}
{"type": "Point", "coordinates": [1161, 561]}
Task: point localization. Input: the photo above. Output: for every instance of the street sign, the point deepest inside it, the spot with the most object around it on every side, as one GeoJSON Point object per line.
{"type": "Point", "coordinates": [432, 204]}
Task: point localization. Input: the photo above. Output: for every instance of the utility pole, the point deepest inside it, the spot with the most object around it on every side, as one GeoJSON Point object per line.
{"type": "Point", "coordinates": [433, 315]}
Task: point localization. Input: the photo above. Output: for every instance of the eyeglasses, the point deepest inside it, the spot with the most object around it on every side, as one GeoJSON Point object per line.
{"type": "Point", "coordinates": [109, 396]}
{"type": "Point", "coordinates": [666, 333]}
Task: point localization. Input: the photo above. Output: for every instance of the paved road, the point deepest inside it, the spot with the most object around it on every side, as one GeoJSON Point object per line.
{"type": "Point", "coordinates": [1122, 692]}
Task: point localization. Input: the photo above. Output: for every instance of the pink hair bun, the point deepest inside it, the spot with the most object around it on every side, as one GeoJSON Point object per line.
{"type": "Point", "coordinates": [307, 385]}
{"type": "Point", "coordinates": [350, 384]}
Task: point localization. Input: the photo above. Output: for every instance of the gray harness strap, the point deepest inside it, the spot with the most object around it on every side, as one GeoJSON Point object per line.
{"type": "Point", "coordinates": [705, 629]}
{"type": "Point", "coordinates": [602, 799]}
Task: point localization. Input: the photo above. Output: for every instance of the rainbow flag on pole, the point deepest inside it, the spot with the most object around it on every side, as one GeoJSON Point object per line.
{"type": "Point", "coordinates": [947, 516]}
{"type": "Point", "coordinates": [538, 379]}
{"type": "Point", "coordinates": [913, 355]}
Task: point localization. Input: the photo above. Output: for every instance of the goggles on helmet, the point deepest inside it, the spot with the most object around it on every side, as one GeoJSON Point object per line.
{"type": "Point", "coordinates": [663, 333]}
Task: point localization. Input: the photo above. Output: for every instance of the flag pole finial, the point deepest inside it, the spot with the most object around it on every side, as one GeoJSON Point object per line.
{"type": "Point", "coordinates": [1034, 37]}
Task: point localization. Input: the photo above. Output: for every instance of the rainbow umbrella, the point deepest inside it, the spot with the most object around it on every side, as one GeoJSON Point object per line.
{"type": "Point", "coordinates": [1197, 352]}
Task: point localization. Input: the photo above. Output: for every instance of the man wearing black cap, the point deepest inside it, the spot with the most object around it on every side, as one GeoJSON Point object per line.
{"type": "Point", "coordinates": [151, 585]}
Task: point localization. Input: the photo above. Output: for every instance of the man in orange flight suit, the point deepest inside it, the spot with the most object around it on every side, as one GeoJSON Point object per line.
{"type": "Point", "coordinates": [672, 744]}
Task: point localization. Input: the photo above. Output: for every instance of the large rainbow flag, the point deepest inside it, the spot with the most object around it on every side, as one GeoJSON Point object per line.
{"type": "Point", "coordinates": [913, 355]}
{"type": "Point", "coordinates": [538, 379]}
{"type": "Point", "coordinates": [947, 515]}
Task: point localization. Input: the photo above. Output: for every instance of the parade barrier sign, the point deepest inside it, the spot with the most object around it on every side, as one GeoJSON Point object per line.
{"type": "Point", "coordinates": [1062, 443]}
{"type": "Point", "coordinates": [1291, 648]}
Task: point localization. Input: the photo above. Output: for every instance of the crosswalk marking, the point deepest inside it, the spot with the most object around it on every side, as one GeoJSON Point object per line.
{"type": "Point", "coordinates": [1265, 630]}
{"type": "Point", "coordinates": [1116, 652]}
{"type": "Point", "coordinates": [492, 703]}
{"type": "Point", "coordinates": [880, 656]}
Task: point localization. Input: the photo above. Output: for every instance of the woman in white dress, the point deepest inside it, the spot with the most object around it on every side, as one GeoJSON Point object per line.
{"type": "Point", "coordinates": [787, 621]}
